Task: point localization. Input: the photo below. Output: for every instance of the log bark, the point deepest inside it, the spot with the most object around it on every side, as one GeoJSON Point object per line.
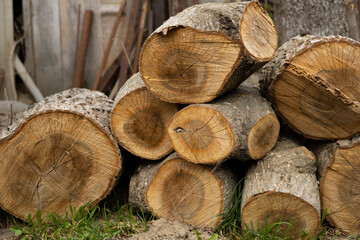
{"type": "Point", "coordinates": [61, 151]}
{"type": "Point", "coordinates": [283, 187]}
{"type": "Point", "coordinates": [313, 84]}
{"type": "Point", "coordinates": [240, 125]}
{"type": "Point", "coordinates": [207, 50]}
{"type": "Point", "coordinates": [179, 190]}
{"type": "Point", "coordinates": [322, 18]}
{"type": "Point", "coordinates": [139, 120]}
{"type": "Point", "coordinates": [338, 169]}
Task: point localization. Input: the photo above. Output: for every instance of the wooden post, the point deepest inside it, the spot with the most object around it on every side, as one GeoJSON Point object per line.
{"type": "Point", "coordinates": [127, 46]}
{"type": "Point", "coordinates": [6, 50]}
{"type": "Point", "coordinates": [108, 47]}
{"type": "Point", "coordinates": [80, 59]}
{"type": "Point", "coordinates": [140, 34]}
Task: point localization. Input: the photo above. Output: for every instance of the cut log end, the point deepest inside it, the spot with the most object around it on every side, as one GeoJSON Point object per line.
{"type": "Point", "coordinates": [318, 93]}
{"type": "Point", "coordinates": [256, 22]}
{"type": "Point", "coordinates": [280, 207]}
{"type": "Point", "coordinates": [206, 137]}
{"type": "Point", "coordinates": [56, 158]}
{"type": "Point", "coordinates": [340, 189]}
{"type": "Point", "coordinates": [186, 192]}
{"type": "Point", "coordinates": [139, 122]}
{"type": "Point", "coordinates": [187, 65]}
{"type": "Point", "coordinates": [263, 136]}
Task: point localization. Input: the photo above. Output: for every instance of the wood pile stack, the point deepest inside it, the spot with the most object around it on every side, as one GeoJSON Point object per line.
{"type": "Point", "coordinates": [199, 58]}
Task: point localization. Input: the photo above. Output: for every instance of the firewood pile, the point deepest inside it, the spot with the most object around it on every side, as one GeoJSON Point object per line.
{"type": "Point", "coordinates": [187, 113]}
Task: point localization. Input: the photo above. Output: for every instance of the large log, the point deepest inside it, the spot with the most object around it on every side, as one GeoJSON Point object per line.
{"type": "Point", "coordinates": [139, 120]}
{"type": "Point", "coordinates": [179, 190]}
{"type": "Point", "coordinates": [240, 125]}
{"type": "Point", "coordinates": [338, 167]}
{"type": "Point", "coordinates": [313, 83]}
{"type": "Point", "coordinates": [322, 18]}
{"type": "Point", "coordinates": [207, 50]}
{"type": "Point", "coordinates": [283, 187]}
{"type": "Point", "coordinates": [60, 152]}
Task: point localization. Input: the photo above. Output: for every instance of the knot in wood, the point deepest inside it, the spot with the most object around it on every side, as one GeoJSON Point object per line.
{"type": "Point", "coordinates": [179, 130]}
{"type": "Point", "coordinates": [226, 22]}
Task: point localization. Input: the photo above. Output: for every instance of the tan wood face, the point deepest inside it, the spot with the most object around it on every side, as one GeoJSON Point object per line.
{"type": "Point", "coordinates": [186, 192]}
{"type": "Point", "coordinates": [319, 94]}
{"type": "Point", "coordinates": [263, 136]}
{"type": "Point", "coordinates": [140, 121]}
{"type": "Point", "coordinates": [188, 66]}
{"type": "Point", "coordinates": [271, 207]}
{"type": "Point", "coordinates": [201, 135]}
{"type": "Point", "coordinates": [258, 32]}
{"type": "Point", "coordinates": [340, 190]}
{"type": "Point", "coordinates": [56, 159]}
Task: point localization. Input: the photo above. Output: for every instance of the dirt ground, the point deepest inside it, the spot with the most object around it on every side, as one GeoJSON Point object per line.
{"type": "Point", "coordinates": [163, 229]}
{"type": "Point", "coordinates": [160, 229]}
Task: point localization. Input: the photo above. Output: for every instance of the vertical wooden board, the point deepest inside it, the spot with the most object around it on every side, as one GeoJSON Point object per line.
{"type": "Point", "coordinates": [28, 37]}
{"type": "Point", "coordinates": [95, 49]}
{"type": "Point", "coordinates": [6, 45]}
{"type": "Point", "coordinates": [68, 30]}
{"type": "Point", "coordinates": [47, 46]}
{"type": "Point", "coordinates": [68, 23]}
{"type": "Point", "coordinates": [109, 10]}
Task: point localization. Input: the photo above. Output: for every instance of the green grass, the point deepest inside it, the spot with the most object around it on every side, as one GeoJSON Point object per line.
{"type": "Point", "coordinates": [122, 221]}
{"type": "Point", "coordinates": [97, 223]}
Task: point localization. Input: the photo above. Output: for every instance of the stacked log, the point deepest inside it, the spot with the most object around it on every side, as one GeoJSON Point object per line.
{"type": "Point", "coordinates": [283, 187]}
{"type": "Point", "coordinates": [201, 53]}
{"type": "Point", "coordinates": [207, 50]}
{"type": "Point", "coordinates": [179, 190]}
{"type": "Point", "coordinates": [60, 152]}
{"type": "Point", "coordinates": [338, 167]}
{"type": "Point", "coordinates": [240, 125]}
{"type": "Point", "coordinates": [313, 84]}
{"type": "Point", "coordinates": [139, 120]}
{"type": "Point", "coordinates": [200, 57]}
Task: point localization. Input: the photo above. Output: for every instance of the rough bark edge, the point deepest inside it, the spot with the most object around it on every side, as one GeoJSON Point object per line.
{"type": "Point", "coordinates": [239, 151]}
{"type": "Point", "coordinates": [133, 83]}
{"type": "Point", "coordinates": [95, 107]}
{"type": "Point", "coordinates": [325, 157]}
{"type": "Point", "coordinates": [285, 147]}
{"type": "Point", "coordinates": [196, 17]}
{"type": "Point", "coordinates": [273, 70]}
